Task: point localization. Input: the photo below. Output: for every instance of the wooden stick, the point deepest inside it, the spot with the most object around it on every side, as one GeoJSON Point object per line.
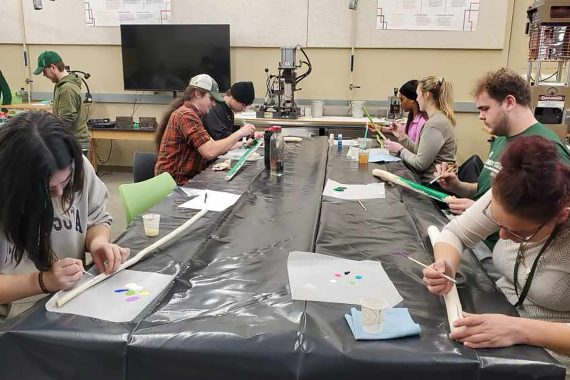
{"type": "Point", "coordinates": [451, 299]}
{"type": "Point", "coordinates": [404, 182]}
{"type": "Point", "coordinates": [66, 296]}
{"type": "Point", "coordinates": [233, 171]}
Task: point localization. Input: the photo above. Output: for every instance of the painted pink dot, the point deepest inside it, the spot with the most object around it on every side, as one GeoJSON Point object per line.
{"type": "Point", "coordinates": [337, 274]}
{"type": "Point", "coordinates": [132, 299]}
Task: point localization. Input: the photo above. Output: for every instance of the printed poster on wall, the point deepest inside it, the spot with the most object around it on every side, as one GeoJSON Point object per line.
{"type": "Point", "coordinates": [440, 15]}
{"type": "Point", "coordinates": [117, 12]}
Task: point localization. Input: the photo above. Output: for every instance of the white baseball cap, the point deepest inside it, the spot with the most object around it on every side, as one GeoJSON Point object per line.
{"type": "Point", "coordinates": [206, 82]}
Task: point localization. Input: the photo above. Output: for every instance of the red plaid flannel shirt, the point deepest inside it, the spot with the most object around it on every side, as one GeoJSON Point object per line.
{"type": "Point", "coordinates": [178, 153]}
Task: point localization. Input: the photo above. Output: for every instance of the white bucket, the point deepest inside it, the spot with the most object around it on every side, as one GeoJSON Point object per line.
{"type": "Point", "coordinates": [357, 108]}
{"type": "Point", "coordinates": [317, 108]}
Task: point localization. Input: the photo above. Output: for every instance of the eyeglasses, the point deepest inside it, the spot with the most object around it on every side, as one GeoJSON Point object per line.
{"type": "Point", "coordinates": [487, 212]}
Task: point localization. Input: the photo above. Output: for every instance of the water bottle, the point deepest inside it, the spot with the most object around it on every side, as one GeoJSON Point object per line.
{"type": "Point", "coordinates": [277, 152]}
{"type": "Point", "coordinates": [267, 145]}
{"type": "Point", "coordinates": [339, 142]}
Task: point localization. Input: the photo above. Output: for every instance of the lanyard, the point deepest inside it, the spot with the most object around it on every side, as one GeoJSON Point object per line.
{"type": "Point", "coordinates": [530, 277]}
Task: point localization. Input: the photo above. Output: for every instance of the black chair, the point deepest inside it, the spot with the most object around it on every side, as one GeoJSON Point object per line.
{"type": "Point", "coordinates": [143, 166]}
{"type": "Point", "coordinates": [469, 171]}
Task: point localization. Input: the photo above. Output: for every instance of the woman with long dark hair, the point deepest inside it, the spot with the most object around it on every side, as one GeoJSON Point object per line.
{"type": "Point", "coordinates": [52, 210]}
{"type": "Point", "coordinates": [529, 204]}
{"type": "Point", "coordinates": [184, 145]}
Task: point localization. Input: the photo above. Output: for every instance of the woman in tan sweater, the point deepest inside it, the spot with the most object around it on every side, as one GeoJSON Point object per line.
{"type": "Point", "coordinates": [436, 142]}
{"type": "Point", "coordinates": [529, 205]}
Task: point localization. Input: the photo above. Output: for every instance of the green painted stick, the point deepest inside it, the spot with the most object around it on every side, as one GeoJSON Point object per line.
{"type": "Point", "coordinates": [376, 127]}
{"type": "Point", "coordinates": [387, 176]}
{"type": "Point", "coordinates": [237, 166]}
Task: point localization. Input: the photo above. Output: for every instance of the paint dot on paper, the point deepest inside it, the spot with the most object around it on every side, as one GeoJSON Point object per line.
{"type": "Point", "coordinates": [133, 286]}
{"type": "Point", "coordinates": [144, 293]}
{"type": "Point", "coordinates": [358, 277]}
{"type": "Point", "coordinates": [121, 290]}
{"type": "Point", "coordinates": [132, 299]}
{"type": "Point", "coordinates": [352, 282]}
{"type": "Point", "coordinates": [131, 292]}
{"type": "Point", "coordinates": [337, 274]}
{"type": "Point", "coordinates": [347, 272]}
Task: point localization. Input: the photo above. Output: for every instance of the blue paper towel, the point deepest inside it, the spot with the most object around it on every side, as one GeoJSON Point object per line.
{"type": "Point", "coordinates": [397, 324]}
{"type": "Point", "coordinates": [380, 155]}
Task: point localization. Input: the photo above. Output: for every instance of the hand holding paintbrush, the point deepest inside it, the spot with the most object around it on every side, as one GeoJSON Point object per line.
{"type": "Point", "coordinates": [425, 266]}
{"type": "Point", "coordinates": [444, 169]}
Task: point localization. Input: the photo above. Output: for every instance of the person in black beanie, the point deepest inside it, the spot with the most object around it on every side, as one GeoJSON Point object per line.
{"type": "Point", "coordinates": [219, 122]}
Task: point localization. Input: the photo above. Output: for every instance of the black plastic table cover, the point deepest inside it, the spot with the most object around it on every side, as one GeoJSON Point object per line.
{"type": "Point", "coordinates": [229, 313]}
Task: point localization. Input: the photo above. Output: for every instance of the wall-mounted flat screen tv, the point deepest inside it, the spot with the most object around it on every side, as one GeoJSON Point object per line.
{"type": "Point", "coordinates": [165, 57]}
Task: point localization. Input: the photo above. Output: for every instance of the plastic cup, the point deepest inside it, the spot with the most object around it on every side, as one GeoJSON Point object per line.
{"type": "Point", "coordinates": [372, 309]}
{"type": "Point", "coordinates": [364, 150]}
{"type": "Point", "coordinates": [151, 224]}
{"type": "Point", "coordinates": [357, 108]}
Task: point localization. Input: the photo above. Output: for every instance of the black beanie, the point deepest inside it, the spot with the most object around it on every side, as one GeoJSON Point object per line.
{"type": "Point", "coordinates": [409, 89]}
{"type": "Point", "coordinates": [243, 92]}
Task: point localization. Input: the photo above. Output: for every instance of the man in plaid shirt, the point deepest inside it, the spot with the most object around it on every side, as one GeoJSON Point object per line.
{"type": "Point", "coordinates": [185, 147]}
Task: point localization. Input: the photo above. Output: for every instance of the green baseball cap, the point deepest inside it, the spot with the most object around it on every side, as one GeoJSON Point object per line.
{"type": "Point", "coordinates": [206, 82]}
{"type": "Point", "coordinates": [45, 59]}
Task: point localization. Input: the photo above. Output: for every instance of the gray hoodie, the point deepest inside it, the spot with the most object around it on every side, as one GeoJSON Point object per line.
{"type": "Point", "coordinates": [67, 236]}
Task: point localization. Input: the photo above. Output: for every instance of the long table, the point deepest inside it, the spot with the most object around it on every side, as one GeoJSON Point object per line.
{"type": "Point", "coordinates": [229, 313]}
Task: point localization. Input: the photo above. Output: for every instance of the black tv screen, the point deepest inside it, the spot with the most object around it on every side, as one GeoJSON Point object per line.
{"type": "Point", "coordinates": [165, 57]}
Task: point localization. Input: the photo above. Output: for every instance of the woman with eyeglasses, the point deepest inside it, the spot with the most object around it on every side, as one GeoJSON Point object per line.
{"type": "Point", "coordinates": [436, 142]}
{"type": "Point", "coordinates": [52, 210]}
{"type": "Point", "coordinates": [529, 205]}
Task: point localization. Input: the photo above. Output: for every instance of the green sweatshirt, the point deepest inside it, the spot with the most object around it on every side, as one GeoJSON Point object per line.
{"type": "Point", "coordinates": [5, 93]}
{"type": "Point", "coordinates": [68, 107]}
{"type": "Point", "coordinates": [493, 164]}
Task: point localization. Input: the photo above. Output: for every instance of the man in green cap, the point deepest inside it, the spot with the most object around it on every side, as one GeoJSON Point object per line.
{"type": "Point", "coordinates": [67, 101]}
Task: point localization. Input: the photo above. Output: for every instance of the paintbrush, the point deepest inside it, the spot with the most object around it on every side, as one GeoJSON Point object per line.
{"type": "Point", "coordinates": [425, 266]}
{"type": "Point", "coordinates": [87, 273]}
{"type": "Point", "coordinates": [450, 169]}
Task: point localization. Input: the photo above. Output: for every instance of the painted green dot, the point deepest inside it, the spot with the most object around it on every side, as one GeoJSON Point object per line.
{"type": "Point", "coordinates": [131, 292]}
{"type": "Point", "coordinates": [352, 282]}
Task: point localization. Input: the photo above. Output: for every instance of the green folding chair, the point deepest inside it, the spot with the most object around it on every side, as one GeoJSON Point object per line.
{"type": "Point", "coordinates": [140, 196]}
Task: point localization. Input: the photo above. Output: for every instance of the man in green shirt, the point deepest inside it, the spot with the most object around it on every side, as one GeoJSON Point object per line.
{"type": "Point", "coordinates": [503, 100]}
{"type": "Point", "coordinates": [67, 102]}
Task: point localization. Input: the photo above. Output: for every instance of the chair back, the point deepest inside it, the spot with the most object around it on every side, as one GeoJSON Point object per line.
{"type": "Point", "coordinates": [143, 166]}
{"type": "Point", "coordinates": [140, 196]}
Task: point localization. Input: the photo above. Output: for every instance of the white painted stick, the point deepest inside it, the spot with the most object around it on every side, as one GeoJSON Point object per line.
{"type": "Point", "coordinates": [452, 301]}
{"type": "Point", "coordinates": [389, 177]}
{"type": "Point", "coordinates": [72, 293]}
